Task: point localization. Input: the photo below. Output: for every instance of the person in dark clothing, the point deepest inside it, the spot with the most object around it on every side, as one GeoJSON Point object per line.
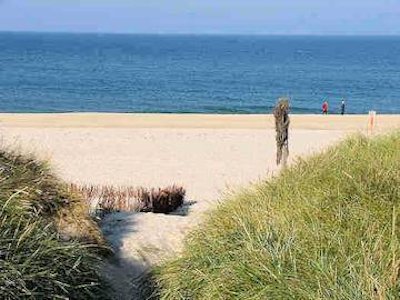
{"type": "Point", "coordinates": [343, 107]}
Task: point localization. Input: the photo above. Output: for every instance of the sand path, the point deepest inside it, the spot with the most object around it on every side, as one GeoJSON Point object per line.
{"type": "Point", "coordinates": [206, 154]}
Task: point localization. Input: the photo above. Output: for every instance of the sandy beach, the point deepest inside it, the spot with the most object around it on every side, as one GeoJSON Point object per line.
{"type": "Point", "coordinates": [190, 121]}
{"type": "Point", "coordinates": [206, 154]}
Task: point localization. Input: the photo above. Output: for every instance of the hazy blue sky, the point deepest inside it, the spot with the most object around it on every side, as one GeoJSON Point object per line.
{"type": "Point", "coordinates": [203, 16]}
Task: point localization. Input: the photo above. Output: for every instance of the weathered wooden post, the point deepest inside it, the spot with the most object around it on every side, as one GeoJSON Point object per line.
{"type": "Point", "coordinates": [282, 121]}
{"type": "Point", "coordinates": [371, 122]}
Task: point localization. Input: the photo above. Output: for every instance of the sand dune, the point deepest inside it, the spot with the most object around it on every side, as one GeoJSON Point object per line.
{"type": "Point", "coordinates": [207, 154]}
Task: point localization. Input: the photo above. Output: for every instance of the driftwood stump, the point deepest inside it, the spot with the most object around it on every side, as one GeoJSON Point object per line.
{"type": "Point", "coordinates": [282, 121]}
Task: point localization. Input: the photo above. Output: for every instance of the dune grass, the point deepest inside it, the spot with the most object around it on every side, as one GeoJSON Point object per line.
{"type": "Point", "coordinates": [326, 228]}
{"type": "Point", "coordinates": [103, 199]}
{"type": "Point", "coordinates": [49, 247]}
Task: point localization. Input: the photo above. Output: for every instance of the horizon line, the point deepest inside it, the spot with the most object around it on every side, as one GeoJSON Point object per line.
{"type": "Point", "coordinates": [208, 33]}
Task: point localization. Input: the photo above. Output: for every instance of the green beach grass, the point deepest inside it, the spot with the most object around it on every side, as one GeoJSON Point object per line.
{"type": "Point", "coordinates": [49, 247]}
{"type": "Point", "coordinates": [325, 228]}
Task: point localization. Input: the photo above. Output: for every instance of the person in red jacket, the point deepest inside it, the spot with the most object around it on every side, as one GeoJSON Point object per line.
{"type": "Point", "coordinates": [325, 108]}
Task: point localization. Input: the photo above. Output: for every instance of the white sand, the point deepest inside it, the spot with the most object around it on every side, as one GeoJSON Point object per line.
{"type": "Point", "coordinates": [205, 154]}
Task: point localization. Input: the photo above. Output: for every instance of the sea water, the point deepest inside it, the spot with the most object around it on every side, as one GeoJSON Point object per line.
{"type": "Point", "coordinates": [61, 72]}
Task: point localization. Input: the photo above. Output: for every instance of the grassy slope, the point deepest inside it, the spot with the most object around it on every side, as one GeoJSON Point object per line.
{"type": "Point", "coordinates": [48, 245]}
{"type": "Point", "coordinates": [327, 228]}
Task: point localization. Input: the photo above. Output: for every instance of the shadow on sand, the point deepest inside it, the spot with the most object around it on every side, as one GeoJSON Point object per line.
{"type": "Point", "coordinates": [130, 277]}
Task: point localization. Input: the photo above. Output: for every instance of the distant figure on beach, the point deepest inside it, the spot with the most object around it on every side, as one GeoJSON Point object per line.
{"type": "Point", "coordinates": [342, 107]}
{"type": "Point", "coordinates": [325, 107]}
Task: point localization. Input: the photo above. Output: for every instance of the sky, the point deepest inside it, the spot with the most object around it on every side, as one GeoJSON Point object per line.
{"type": "Point", "coordinates": [291, 17]}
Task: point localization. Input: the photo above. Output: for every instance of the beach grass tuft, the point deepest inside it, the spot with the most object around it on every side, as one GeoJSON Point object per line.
{"type": "Point", "coordinates": [105, 199]}
{"type": "Point", "coordinates": [49, 246]}
{"type": "Point", "coordinates": [326, 228]}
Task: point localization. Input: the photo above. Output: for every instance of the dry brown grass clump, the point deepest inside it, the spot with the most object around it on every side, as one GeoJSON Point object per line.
{"type": "Point", "coordinates": [74, 221]}
{"type": "Point", "coordinates": [110, 198]}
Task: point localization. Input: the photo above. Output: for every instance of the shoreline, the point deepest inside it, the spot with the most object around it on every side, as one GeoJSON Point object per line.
{"type": "Point", "coordinates": [205, 121]}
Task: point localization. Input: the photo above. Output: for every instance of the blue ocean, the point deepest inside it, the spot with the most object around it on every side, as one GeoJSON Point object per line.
{"type": "Point", "coordinates": [61, 72]}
